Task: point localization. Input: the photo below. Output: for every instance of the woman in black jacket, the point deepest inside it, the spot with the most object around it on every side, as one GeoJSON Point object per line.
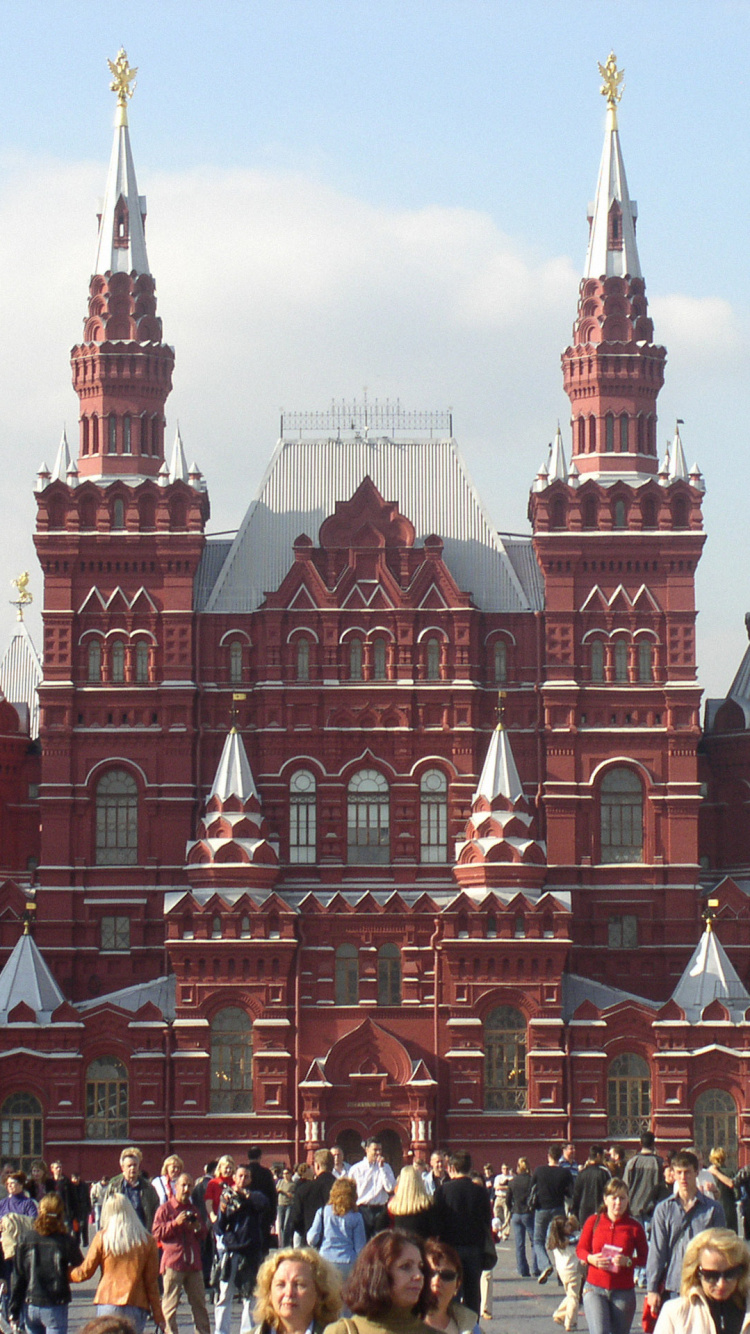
{"type": "Point", "coordinates": [43, 1259]}
{"type": "Point", "coordinates": [522, 1217]}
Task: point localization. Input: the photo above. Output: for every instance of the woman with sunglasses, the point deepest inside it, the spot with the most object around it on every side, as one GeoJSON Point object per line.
{"type": "Point", "coordinates": [715, 1289]}
{"type": "Point", "coordinates": [444, 1278]}
{"type": "Point", "coordinates": [612, 1245]}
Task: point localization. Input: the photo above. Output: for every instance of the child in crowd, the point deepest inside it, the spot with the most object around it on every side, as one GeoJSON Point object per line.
{"type": "Point", "coordinates": [561, 1244]}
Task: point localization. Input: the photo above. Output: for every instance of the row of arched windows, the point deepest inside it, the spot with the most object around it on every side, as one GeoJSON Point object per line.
{"type": "Point", "coordinates": [346, 975]}
{"type": "Point", "coordinates": [619, 660]}
{"type": "Point", "coordinates": [90, 509]}
{"type": "Point", "coordinates": [371, 660]}
{"type": "Point", "coordinates": [598, 511]}
{"type": "Point", "coordinates": [112, 434]}
{"type": "Point", "coordinates": [119, 660]}
{"type": "Point", "coordinates": [612, 434]}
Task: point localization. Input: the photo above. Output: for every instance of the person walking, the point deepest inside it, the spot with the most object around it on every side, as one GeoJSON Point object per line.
{"type": "Point", "coordinates": [179, 1230]}
{"type": "Point", "coordinates": [522, 1219]}
{"type": "Point", "coordinates": [338, 1231]}
{"type": "Point", "coordinates": [98, 1193]}
{"type": "Point", "coordinates": [676, 1221]}
{"type": "Point", "coordinates": [463, 1218]}
{"type": "Point", "coordinates": [437, 1173]}
{"type": "Point", "coordinates": [714, 1289]}
{"type": "Point", "coordinates": [262, 1179]}
{"type": "Point", "coordinates": [588, 1188]}
{"type": "Point", "coordinates": [62, 1187]}
{"type": "Point", "coordinates": [240, 1228]}
{"type": "Point", "coordinates": [284, 1197]}
{"type": "Point", "coordinates": [553, 1187]}
{"type": "Point", "coordinates": [44, 1255]}
{"type": "Point", "coordinates": [717, 1160]}
{"type": "Point", "coordinates": [312, 1195]}
{"type": "Point", "coordinates": [644, 1178]}
{"type": "Point", "coordinates": [612, 1243]}
{"type": "Point", "coordinates": [375, 1182]}
{"type": "Point", "coordinates": [133, 1183]}
{"type": "Point", "coordinates": [410, 1208]}
{"type": "Point", "coordinates": [164, 1184]}
{"type": "Point", "coordinates": [561, 1241]}
{"type": "Point", "coordinates": [16, 1200]}
{"type": "Point", "coordinates": [129, 1261]}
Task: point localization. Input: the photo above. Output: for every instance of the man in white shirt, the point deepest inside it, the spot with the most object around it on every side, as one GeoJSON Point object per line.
{"type": "Point", "coordinates": [340, 1168]}
{"type": "Point", "coordinates": [375, 1182]}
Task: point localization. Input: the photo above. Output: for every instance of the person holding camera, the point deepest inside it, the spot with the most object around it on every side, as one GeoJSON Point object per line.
{"type": "Point", "coordinates": [179, 1230]}
{"type": "Point", "coordinates": [241, 1227]}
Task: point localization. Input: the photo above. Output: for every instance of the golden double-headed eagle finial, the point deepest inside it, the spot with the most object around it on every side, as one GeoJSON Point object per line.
{"type": "Point", "coordinates": [612, 85]}
{"type": "Point", "coordinates": [24, 597]}
{"type": "Point", "coordinates": [123, 78]}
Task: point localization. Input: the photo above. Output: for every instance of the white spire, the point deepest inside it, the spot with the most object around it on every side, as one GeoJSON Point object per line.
{"type": "Point", "coordinates": [234, 776]}
{"type": "Point", "coordinates": [678, 470]}
{"type": "Point", "coordinates": [612, 249]}
{"type": "Point", "coordinates": [557, 468]}
{"type": "Point", "coordinates": [710, 976]}
{"type": "Point", "coordinates": [27, 978]}
{"type": "Point", "coordinates": [499, 777]}
{"type": "Point", "coordinates": [121, 247]}
{"type": "Point", "coordinates": [62, 460]}
{"type": "Point", "coordinates": [178, 469]}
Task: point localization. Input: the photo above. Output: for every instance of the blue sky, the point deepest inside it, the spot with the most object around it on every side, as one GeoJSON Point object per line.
{"type": "Point", "coordinates": [390, 195]}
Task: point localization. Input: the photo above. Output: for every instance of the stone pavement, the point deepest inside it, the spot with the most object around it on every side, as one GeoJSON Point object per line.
{"type": "Point", "coordinates": [520, 1305]}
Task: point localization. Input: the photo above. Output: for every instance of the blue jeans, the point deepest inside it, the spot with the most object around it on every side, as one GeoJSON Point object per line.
{"type": "Point", "coordinates": [523, 1227]}
{"type": "Point", "coordinates": [42, 1318]}
{"type": "Point", "coordinates": [135, 1314]}
{"type": "Point", "coordinates": [608, 1312]}
{"type": "Point", "coordinates": [542, 1220]}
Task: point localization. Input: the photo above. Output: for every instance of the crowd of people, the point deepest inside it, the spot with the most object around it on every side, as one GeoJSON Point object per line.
{"type": "Point", "coordinates": [355, 1249]}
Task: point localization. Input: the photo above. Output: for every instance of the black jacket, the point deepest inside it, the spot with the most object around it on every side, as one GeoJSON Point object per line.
{"type": "Point", "coordinates": [463, 1212]}
{"type": "Point", "coordinates": [307, 1202]}
{"type": "Point", "coordinates": [518, 1193]}
{"type": "Point", "coordinates": [41, 1270]}
{"type": "Point", "coordinates": [588, 1191]}
{"type": "Point", "coordinates": [554, 1185]}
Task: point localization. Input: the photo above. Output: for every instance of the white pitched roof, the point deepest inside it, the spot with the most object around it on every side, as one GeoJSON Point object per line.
{"type": "Point", "coordinates": [234, 777]}
{"type": "Point", "coordinates": [26, 977]}
{"type": "Point", "coordinates": [20, 674]}
{"type": "Point", "coordinates": [499, 776]}
{"type": "Point", "coordinates": [427, 479]}
{"type": "Point", "coordinates": [601, 261]}
{"type": "Point", "coordinates": [121, 182]}
{"type": "Point", "coordinates": [710, 976]}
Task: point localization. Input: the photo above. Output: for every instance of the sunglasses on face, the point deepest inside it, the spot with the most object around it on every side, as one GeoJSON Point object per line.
{"type": "Point", "coordinates": [712, 1276]}
{"type": "Point", "coordinates": [447, 1275]}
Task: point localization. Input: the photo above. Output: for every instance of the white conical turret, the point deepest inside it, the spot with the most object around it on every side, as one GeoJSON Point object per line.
{"type": "Point", "coordinates": [121, 247]}
{"type": "Point", "coordinates": [612, 250]}
{"type": "Point", "coordinates": [62, 460]}
{"type": "Point", "coordinates": [677, 469]}
{"type": "Point", "coordinates": [557, 468]}
{"type": "Point", "coordinates": [499, 776]}
{"type": "Point", "coordinates": [178, 469]}
{"type": "Point", "coordinates": [234, 777]}
{"type": "Point", "coordinates": [710, 976]}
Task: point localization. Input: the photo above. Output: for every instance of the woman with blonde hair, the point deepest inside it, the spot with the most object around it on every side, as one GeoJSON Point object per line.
{"type": "Point", "coordinates": [43, 1258]}
{"type": "Point", "coordinates": [296, 1290]}
{"type": "Point", "coordinates": [714, 1289]}
{"type": "Point", "coordinates": [164, 1184]}
{"type": "Point", "coordinates": [129, 1260]}
{"type": "Point", "coordinates": [410, 1208]}
{"type": "Point", "coordinates": [338, 1230]}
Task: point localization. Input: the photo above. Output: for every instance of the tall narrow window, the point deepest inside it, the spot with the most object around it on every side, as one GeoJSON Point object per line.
{"type": "Point", "coordinates": [346, 975]}
{"type": "Point", "coordinates": [621, 660]}
{"type": "Point", "coordinates": [118, 660]}
{"type": "Point", "coordinates": [141, 662]}
{"type": "Point", "coordinates": [619, 514]}
{"type": "Point", "coordinates": [505, 1060]}
{"type": "Point", "coordinates": [106, 1099]}
{"type": "Point", "coordinates": [592, 435]}
{"type": "Point", "coordinates": [624, 433]}
{"type": "Point", "coordinates": [628, 1096]}
{"type": "Point", "coordinates": [558, 512]}
{"type": "Point", "coordinates": [355, 660]}
{"type": "Point", "coordinates": [649, 514]}
{"type": "Point", "coordinates": [597, 660]}
{"type": "Point", "coordinates": [500, 657]}
{"type": "Point", "coordinates": [235, 661]}
{"type": "Point", "coordinates": [116, 819]}
{"type": "Point", "coordinates": [303, 659]}
{"type": "Point", "coordinates": [589, 512]}
{"type": "Point", "coordinates": [645, 661]}
{"type": "Point", "coordinates": [21, 1129]}
{"type": "Point", "coordinates": [433, 659]}
{"type": "Point", "coordinates": [155, 435]}
{"type": "Point", "coordinates": [84, 435]}
{"type": "Point", "coordinates": [112, 434]}
{"type": "Point", "coordinates": [127, 439]}
{"type": "Point", "coordinates": [118, 513]}
{"type": "Point", "coordinates": [641, 433]}
{"type": "Point", "coordinates": [621, 799]}
{"type": "Point", "coordinates": [302, 817]}
{"type": "Point", "coordinates": [368, 819]}
{"type": "Point", "coordinates": [433, 789]}
{"type": "Point", "coordinates": [378, 659]}
{"type": "Point", "coordinates": [581, 435]}
{"type": "Point", "coordinates": [389, 975]}
{"type": "Point", "coordinates": [231, 1061]}
{"type": "Point", "coordinates": [144, 433]}
{"type": "Point", "coordinates": [95, 660]}
{"type": "Point", "coordinates": [95, 434]}
{"type": "Point", "coordinates": [609, 433]}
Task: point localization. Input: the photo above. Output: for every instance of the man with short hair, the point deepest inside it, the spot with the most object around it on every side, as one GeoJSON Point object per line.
{"type": "Point", "coordinates": [65, 1190]}
{"type": "Point", "coordinates": [241, 1226]}
{"type": "Point", "coordinates": [568, 1158]}
{"type": "Point", "coordinates": [135, 1186]}
{"type": "Point", "coordinates": [463, 1217]}
{"type": "Point", "coordinates": [436, 1173]}
{"type": "Point", "coordinates": [262, 1179]}
{"type": "Point", "coordinates": [554, 1187]}
{"type": "Point", "coordinates": [644, 1178]}
{"type": "Point", "coordinates": [675, 1222]}
{"type": "Point", "coordinates": [179, 1229]}
{"type": "Point", "coordinates": [340, 1167]}
{"type": "Point", "coordinates": [375, 1183]}
{"type": "Point", "coordinates": [588, 1189]}
{"type": "Point", "coordinates": [312, 1195]}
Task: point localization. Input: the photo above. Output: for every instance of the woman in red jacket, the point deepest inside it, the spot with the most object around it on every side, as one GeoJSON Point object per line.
{"type": "Point", "coordinates": [611, 1244]}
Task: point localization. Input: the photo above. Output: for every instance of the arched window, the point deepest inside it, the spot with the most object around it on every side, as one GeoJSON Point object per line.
{"type": "Point", "coordinates": [347, 975]}
{"type": "Point", "coordinates": [433, 659]}
{"type": "Point", "coordinates": [95, 660]}
{"type": "Point", "coordinates": [624, 433]}
{"type": "Point", "coordinates": [500, 659]}
{"type": "Point", "coordinates": [389, 975]}
{"type": "Point", "coordinates": [592, 435]}
{"type": "Point", "coordinates": [581, 435]}
{"type": "Point", "coordinates": [235, 661]}
{"type": "Point", "coordinates": [155, 438]}
{"type": "Point", "coordinates": [558, 512]}
{"type": "Point", "coordinates": [641, 434]}
{"type": "Point", "coordinates": [94, 434]}
{"type": "Point", "coordinates": [21, 1129]}
{"type": "Point", "coordinates": [127, 436]}
{"type": "Point", "coordinates": [117, 819]}
{"type": "Point", "coordinates": [302, 817]}
{"type": "Point", "coordinates": [589, 512]}
{"type": "Point", "coordinates": [628, 1096]}
{"type": "Point", "coordinates": [118, 660]}
{"type": "Point", "coordinates": [147, 512]}
{"type": "Point", "coordinates": [144, 433]}
{"type": "Point", "coordinates": [621, 816]}
{"type": "Point", "coordinates": [621, 660]}
{"type": "Point", "coordinates": [231, 1061]}
{"type": "Point", "coordinates": [715, 1124]}
{"type": "Point", "coordinates": [620, 514]}
{"type": "Point", "coordinates": [216, 931]}
{"type": "Point", "coordinates": [433, 809]}
{"type": "Point", "coordinates": [355, 660]}
{"type": "Point", "coordinates": [368, 819]}
{"type": "Point", "coordinates": [112, 434]}
{"type": "Point", "coordinates": [679, 513]}
{"type": "Point", "coordinates": [106, 1099]}
{"type": "Point", "coordinates": [645, 661]}
{"type": "Point", "coordinates": [118, 513]}
{"type": "Point", "coordinates": [609, 433]}
{"type": "Point", "coordinates": [141, 662]}
{"type": "Point", "coordinates": [84, 435]}
{"type": "Point", "coordinates": [597, 660]}
{"type": "Point", "coordinates": [378, 659]}
{"type": "Point", "coordinates": [303, 659]}
{"type": "Point", "coordinates": [505, 1060]}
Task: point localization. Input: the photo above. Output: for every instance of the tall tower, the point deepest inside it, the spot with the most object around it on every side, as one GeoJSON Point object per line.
{"type": "Point", "coordinates": [119, 537]}
{"type": "Point", "coordinates": [618, 538]}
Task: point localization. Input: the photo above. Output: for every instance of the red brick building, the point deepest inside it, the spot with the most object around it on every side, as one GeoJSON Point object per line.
{"type": "Point", "coordinates": [296, 882]}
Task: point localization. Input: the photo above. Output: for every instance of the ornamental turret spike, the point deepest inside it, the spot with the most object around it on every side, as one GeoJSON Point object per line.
{"type": "Point", "coordinates": [232, 848]}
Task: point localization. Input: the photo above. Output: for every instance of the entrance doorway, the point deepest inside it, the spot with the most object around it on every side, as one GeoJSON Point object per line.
{"type": "Point", "coordinates": [715, 1124]}
{"type": "Point", "coordinates": [393, 1149]}
{"type": "Point", "coordinates": [350, 1143]}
